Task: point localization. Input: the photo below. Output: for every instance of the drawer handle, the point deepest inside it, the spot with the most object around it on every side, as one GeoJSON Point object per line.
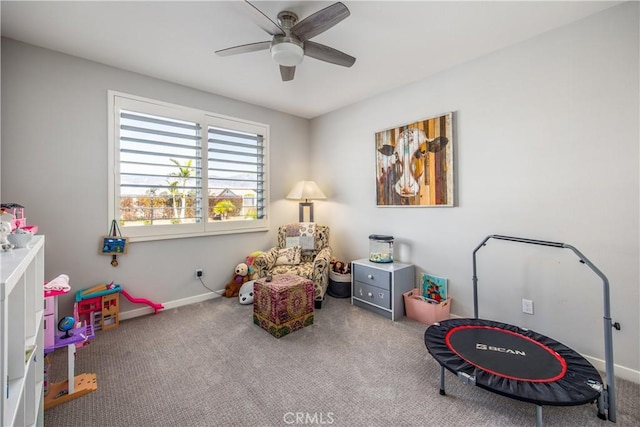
{"type": "Point", "coordinates": [370, 276]}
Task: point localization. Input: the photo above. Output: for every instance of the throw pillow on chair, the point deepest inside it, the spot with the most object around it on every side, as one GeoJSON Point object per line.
{"type": "Point", "coordinates": [288, 256]}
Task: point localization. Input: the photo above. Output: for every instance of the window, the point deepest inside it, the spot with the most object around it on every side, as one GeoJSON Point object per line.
{"type": "Point", "coordinates": [180, 172]}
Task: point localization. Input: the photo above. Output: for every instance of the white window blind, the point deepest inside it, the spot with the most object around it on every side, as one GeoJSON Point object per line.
{"type": "Point", "coordinates": [160, 173]}
{"type": "Point", "coordinates": [180, 172]}
{"type": "Point", "coordinates": [236, 172]}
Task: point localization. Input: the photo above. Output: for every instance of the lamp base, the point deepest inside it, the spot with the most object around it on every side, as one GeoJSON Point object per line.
{"type": "Point", "coordinates": [309, 206]}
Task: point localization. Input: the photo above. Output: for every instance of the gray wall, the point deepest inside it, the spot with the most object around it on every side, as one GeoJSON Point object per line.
{"type": "Point", "coordinates": [54, 162]}
{"type": "Point", "coordinates": [546, 146]}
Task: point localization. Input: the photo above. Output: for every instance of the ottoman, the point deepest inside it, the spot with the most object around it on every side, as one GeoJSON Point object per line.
{"type": "Point", "coordinates": [283, 305]}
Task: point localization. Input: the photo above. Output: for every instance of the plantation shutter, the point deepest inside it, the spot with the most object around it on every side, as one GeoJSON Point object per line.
{"type": "Point", "coordinates": [179, 172]}
{"type": "Point", "coordinates": [236, 174]}
{"type": "Point", "coordinates": [160, 169]}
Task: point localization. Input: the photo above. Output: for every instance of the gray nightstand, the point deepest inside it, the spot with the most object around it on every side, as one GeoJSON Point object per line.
{"type": "Point", "coordinates": [379, 286]}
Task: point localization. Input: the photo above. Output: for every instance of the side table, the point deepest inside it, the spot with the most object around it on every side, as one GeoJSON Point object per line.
{"type": "Point", "coordinates": [378, 287]}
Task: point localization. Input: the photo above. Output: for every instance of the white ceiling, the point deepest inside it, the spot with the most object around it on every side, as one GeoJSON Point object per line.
{"type": "Point", "coordinates": [395, 42]}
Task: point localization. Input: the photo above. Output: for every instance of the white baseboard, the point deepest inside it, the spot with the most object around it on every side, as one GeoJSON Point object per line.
{"type": "Point", "coordinates": [619, 371]}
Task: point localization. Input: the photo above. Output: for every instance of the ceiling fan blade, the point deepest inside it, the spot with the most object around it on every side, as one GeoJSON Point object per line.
{"type": "Point", "coordinates": [245, 48]}
{"type": "Point", "coordinates": [262, 20]}
{"type": "Point", "coordinates": [328, 54]}
{"type": "Point", "coordinates": [320, 21]}
{"type": "Point", "coordinates": [287, 73]}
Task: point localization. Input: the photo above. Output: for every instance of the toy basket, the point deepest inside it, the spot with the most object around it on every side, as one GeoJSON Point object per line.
{"type": "Point", "coordinates": [423, 311]}
{"type": "Point", "coordinates": [339, 285]}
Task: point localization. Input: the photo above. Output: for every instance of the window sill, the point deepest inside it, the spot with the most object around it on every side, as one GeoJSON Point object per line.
{"type": "Point", "coordinates": [193, 235]}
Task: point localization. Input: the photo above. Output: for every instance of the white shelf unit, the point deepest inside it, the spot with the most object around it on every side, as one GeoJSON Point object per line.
{"type": "Point", "coordinates": [21, 335]}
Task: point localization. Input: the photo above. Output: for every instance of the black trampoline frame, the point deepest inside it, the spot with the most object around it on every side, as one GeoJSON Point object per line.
{"type": "Point", "coordinates": [606, 400]}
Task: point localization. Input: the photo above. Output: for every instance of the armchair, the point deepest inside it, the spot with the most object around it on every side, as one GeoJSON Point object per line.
{"type": "Point", "coordinates": [303, 249]}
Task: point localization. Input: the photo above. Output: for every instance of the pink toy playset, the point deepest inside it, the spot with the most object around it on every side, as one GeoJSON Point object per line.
{"type": "Point", "coordinates": [75, 385]}
{"type": "Point", "coordinates": [99, 305]}
{"type": "Point", "coordinates": [19, 220]}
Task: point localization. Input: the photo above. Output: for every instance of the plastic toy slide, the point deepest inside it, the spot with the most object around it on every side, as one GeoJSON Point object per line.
{"type": "Point", "coordinates": [97, 291]}
{"type": "Point", "coordinates": [151, 304]}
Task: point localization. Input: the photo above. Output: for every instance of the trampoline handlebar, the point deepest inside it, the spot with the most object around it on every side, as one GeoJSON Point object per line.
{"type": "Point", "coordinates": [608, 339]}
{"type": "Point", "coordinates": [523, 240]}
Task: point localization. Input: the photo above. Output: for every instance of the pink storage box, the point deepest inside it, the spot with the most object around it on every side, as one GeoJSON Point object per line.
{"type": "Point", "coordinates": [423, 311]}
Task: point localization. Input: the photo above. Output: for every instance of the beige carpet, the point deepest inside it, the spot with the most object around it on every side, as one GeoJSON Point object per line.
{"type": "Point", "coordinates": [207, 364]}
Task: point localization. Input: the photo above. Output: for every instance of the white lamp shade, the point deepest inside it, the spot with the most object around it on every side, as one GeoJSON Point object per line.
{"type": "Point", "coordinates": [306, 190]}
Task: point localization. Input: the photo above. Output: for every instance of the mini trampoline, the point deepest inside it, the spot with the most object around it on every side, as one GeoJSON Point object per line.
{"type": "Point", "coordinates": [519, 363]}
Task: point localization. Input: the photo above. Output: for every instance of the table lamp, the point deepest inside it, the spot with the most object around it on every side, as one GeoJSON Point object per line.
{"type": "Point", "coordinates": [306, 190]}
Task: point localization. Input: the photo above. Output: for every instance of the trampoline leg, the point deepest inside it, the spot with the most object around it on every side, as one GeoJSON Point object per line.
{"type": "Point", "coordinates": [602, 402]}
{"type": "Point", "coordinates": [442, 393]}
{"type": "Point", "coordinates": [538, 416]}
{"type": "Point", "coordinates": [601, 406]}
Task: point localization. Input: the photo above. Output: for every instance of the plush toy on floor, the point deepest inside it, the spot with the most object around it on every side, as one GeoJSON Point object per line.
{"type": "Point", "coordinates": [239, 277]}
{"type": "Point", "coordinates": [246, 293]}
{"type": "Point", "coordinates": [253, 271]}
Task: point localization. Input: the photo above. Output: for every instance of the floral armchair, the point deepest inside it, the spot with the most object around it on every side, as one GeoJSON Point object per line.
{"type": "Point", "coordinates": [303, 249]}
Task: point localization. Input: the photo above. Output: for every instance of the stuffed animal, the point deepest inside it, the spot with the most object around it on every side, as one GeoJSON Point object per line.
{"type": "Point", "coordinates": [340, 267]}
{"type": "Point", "coordinates": [246, 293]}
{"type": "Point", "coordinates": [239, 277]}
{"type": "Point", "coordinates": [253, 271]}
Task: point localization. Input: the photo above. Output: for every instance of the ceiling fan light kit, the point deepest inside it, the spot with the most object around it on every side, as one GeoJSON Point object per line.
{"type": "Point", "coordinates": [287, 52]}
{"type": "Point", "coordinates": [290, 38]}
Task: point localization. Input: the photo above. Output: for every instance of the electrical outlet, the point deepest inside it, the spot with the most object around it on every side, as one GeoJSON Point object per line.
{"type": "Point", "coordinates": [199, 273]}
{"type": "Point", "coordinates": [527, 306]}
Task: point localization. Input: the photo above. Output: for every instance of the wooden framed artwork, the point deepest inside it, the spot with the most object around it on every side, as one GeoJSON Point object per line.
{"type": "Point", "coordinates": [414, 164]}
{"type": "Point", "coordinates": [114, 245]}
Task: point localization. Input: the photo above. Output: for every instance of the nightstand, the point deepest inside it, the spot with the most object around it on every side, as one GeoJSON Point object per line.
{"type": "Point", "coordinates": [378, 287]}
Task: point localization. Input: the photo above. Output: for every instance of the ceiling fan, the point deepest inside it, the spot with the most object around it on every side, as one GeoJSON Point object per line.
{"type": "Point", "coordinates": [290, 40]}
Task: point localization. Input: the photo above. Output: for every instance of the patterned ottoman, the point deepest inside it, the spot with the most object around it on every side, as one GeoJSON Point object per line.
{"type": "Point", "coordinates": [283, 305]}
